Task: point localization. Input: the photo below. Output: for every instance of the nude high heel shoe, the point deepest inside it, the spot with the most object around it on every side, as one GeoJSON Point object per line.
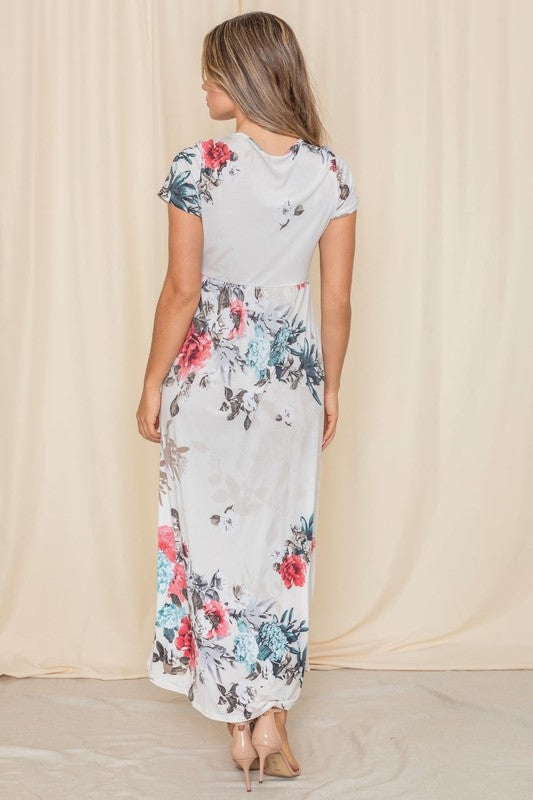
{"type": "Point", "coordinates": [268, 743]}
{"type": "Point", "coordinates": [242, 750]}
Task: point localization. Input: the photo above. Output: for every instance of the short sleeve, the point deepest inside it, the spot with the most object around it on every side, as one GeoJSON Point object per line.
{"type": "Point", "coordinates": [181, 186]}
{"type": "Point", "coordinates": [346, 199]}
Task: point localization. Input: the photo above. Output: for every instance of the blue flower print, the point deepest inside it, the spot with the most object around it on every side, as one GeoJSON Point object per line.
{"type": "Point", "coordinates": [181, 184]}
{"type": "Point", "coordinates": [258, 352]}
{"type": "Point", "coordinates": [165, 572]}
{"type": "Point", "coordinates": [279, 347]}
{"type": "Point", "coordinates": [245, 646]}
{"type": "Point", "coordinates": [272, 641]}
{"type": "Point", "coordinates": [169, 616]}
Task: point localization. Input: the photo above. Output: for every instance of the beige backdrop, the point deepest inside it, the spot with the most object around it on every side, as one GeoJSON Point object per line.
{"type": "Point", "coordinates": [425, 552]}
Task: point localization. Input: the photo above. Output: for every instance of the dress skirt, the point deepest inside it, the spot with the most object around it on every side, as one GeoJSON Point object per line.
{"type": "Point", "coordinates": [241, 424]}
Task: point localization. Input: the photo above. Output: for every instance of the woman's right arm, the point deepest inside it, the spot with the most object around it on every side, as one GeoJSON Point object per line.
{"type": "Point", "coordinates": [337, 251]}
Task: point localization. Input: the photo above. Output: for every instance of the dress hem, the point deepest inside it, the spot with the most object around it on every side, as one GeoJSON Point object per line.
{"type": "Point", "coordinates": [286, 706]}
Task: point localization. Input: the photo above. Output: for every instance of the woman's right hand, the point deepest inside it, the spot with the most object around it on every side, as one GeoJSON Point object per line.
{"type": "Point", "coordinates": [331, 414]}
{"type": "Point", "coordinates": [148, 414]}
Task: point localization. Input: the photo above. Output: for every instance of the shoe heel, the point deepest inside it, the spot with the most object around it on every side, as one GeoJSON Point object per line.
{"type": "Point", "coordinates": [263, 751]}
{"type": "Point", "coordinates": [245, 764]}
{"type": "Point", "coordinates": [267, 741]}
{"type": "Point", "coordinates": [242, 750]}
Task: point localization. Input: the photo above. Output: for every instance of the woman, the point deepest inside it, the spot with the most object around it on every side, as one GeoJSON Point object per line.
{"type": "Point", "coordinates": [240, 390]}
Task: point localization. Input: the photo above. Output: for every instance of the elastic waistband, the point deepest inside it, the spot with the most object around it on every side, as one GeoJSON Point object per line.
{"type": "Point", "coordinates": [224, 282]}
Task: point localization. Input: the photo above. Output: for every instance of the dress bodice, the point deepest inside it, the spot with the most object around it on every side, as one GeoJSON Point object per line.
{"type": "Point", "coordinates": [262, 214]}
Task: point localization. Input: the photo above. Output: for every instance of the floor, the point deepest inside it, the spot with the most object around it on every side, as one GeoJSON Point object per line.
{"type": "Point", "coordinates": [366, 734]}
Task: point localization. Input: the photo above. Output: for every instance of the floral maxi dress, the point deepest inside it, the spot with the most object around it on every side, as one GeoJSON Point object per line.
{"type": "Point", "coordinates": [241, 424]}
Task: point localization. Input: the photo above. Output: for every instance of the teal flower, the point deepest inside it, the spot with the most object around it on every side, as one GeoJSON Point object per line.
{"type": "Point", "coordinates": [165, 572]}
{"type": "Point", "coordinates": [169, 616]}
{"type": "Point", "coordinates": [312, 364]}
{"type": "Point", "coordinates": [257, 353]}
{"type": "Point", "coordinates": [245, 646]}
{"type": "Point", "coordinates": [279, 348]}
{"type": "Point", "coordinates": [272, 641]}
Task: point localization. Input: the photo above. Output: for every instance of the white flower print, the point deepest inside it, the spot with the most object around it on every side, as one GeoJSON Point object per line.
{"type": "Point", "coordinates": [243, 694]}
{"type": "Point", "coordinates": [201, 625]}
{"type": "Point", "coordinates": [284, 213]}
{"type": "Point", "coordinates": [250, 400]}
{"type": "Point", "coordinates": [225, 323]}
{"type": "Point", "coordinates": [286, 415]}
{"type": "Point", "coordinates": [220, 581]}
{"type": "Point", "coordinates": [229, 519]}
{"type": "Point", "coordinates": [242, 594]}
{"type": "Point", "coordinates": [276, 554]}
{"type": "Point", "coordinates": [233, 173]}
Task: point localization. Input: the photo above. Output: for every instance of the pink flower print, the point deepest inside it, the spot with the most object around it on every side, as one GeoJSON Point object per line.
{"type": "Point", "coordinates": [238, 316]}
{"type": "Point", "coordinates": [215, 154]}
{"type": "Point", "coordinates": [166, 541]}
{"type": "Point", "coordinates": [217, 615]}
{"type": "Point", "coordinates": [195, 351]}
{"type": "Point", "coordinates": [179, 582]}
{"type": "Point", "coordinates": [185, 641]}
{"type": "Point", "coordinates": [292, 570]}
{"type": "Point", "coordinates": [300, 285]}
{"type": "Point", "coordinates": [333, 165]}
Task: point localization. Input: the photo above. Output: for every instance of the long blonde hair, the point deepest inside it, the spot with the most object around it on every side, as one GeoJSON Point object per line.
{"type": "Point", "coordinates": [256, 59]}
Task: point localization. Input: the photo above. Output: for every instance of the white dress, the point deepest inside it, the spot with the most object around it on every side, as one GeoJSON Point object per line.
{"type": "Point", "coordinates": [241, 424]}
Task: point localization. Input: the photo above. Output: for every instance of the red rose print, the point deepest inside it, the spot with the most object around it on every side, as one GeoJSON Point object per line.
{"type": "Point", "coordinates": [166, 541]}
{"type": "Point", "coordinates": [185, 641]}
{"type": "Point", "coordinates": [215, 154]}
{"type": "Point", "coordinates": [179, 582]}
{"type": "Point", "coordinates": [217, 614]}
{"type": "Point", "coordinates": [301, 285]}
{"type": "Point", "coordinates": [195, 351]}
{"type": "Point", "coordinates": [238, 314]}
{"type": "Point", "coordinates": [292, 570]}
